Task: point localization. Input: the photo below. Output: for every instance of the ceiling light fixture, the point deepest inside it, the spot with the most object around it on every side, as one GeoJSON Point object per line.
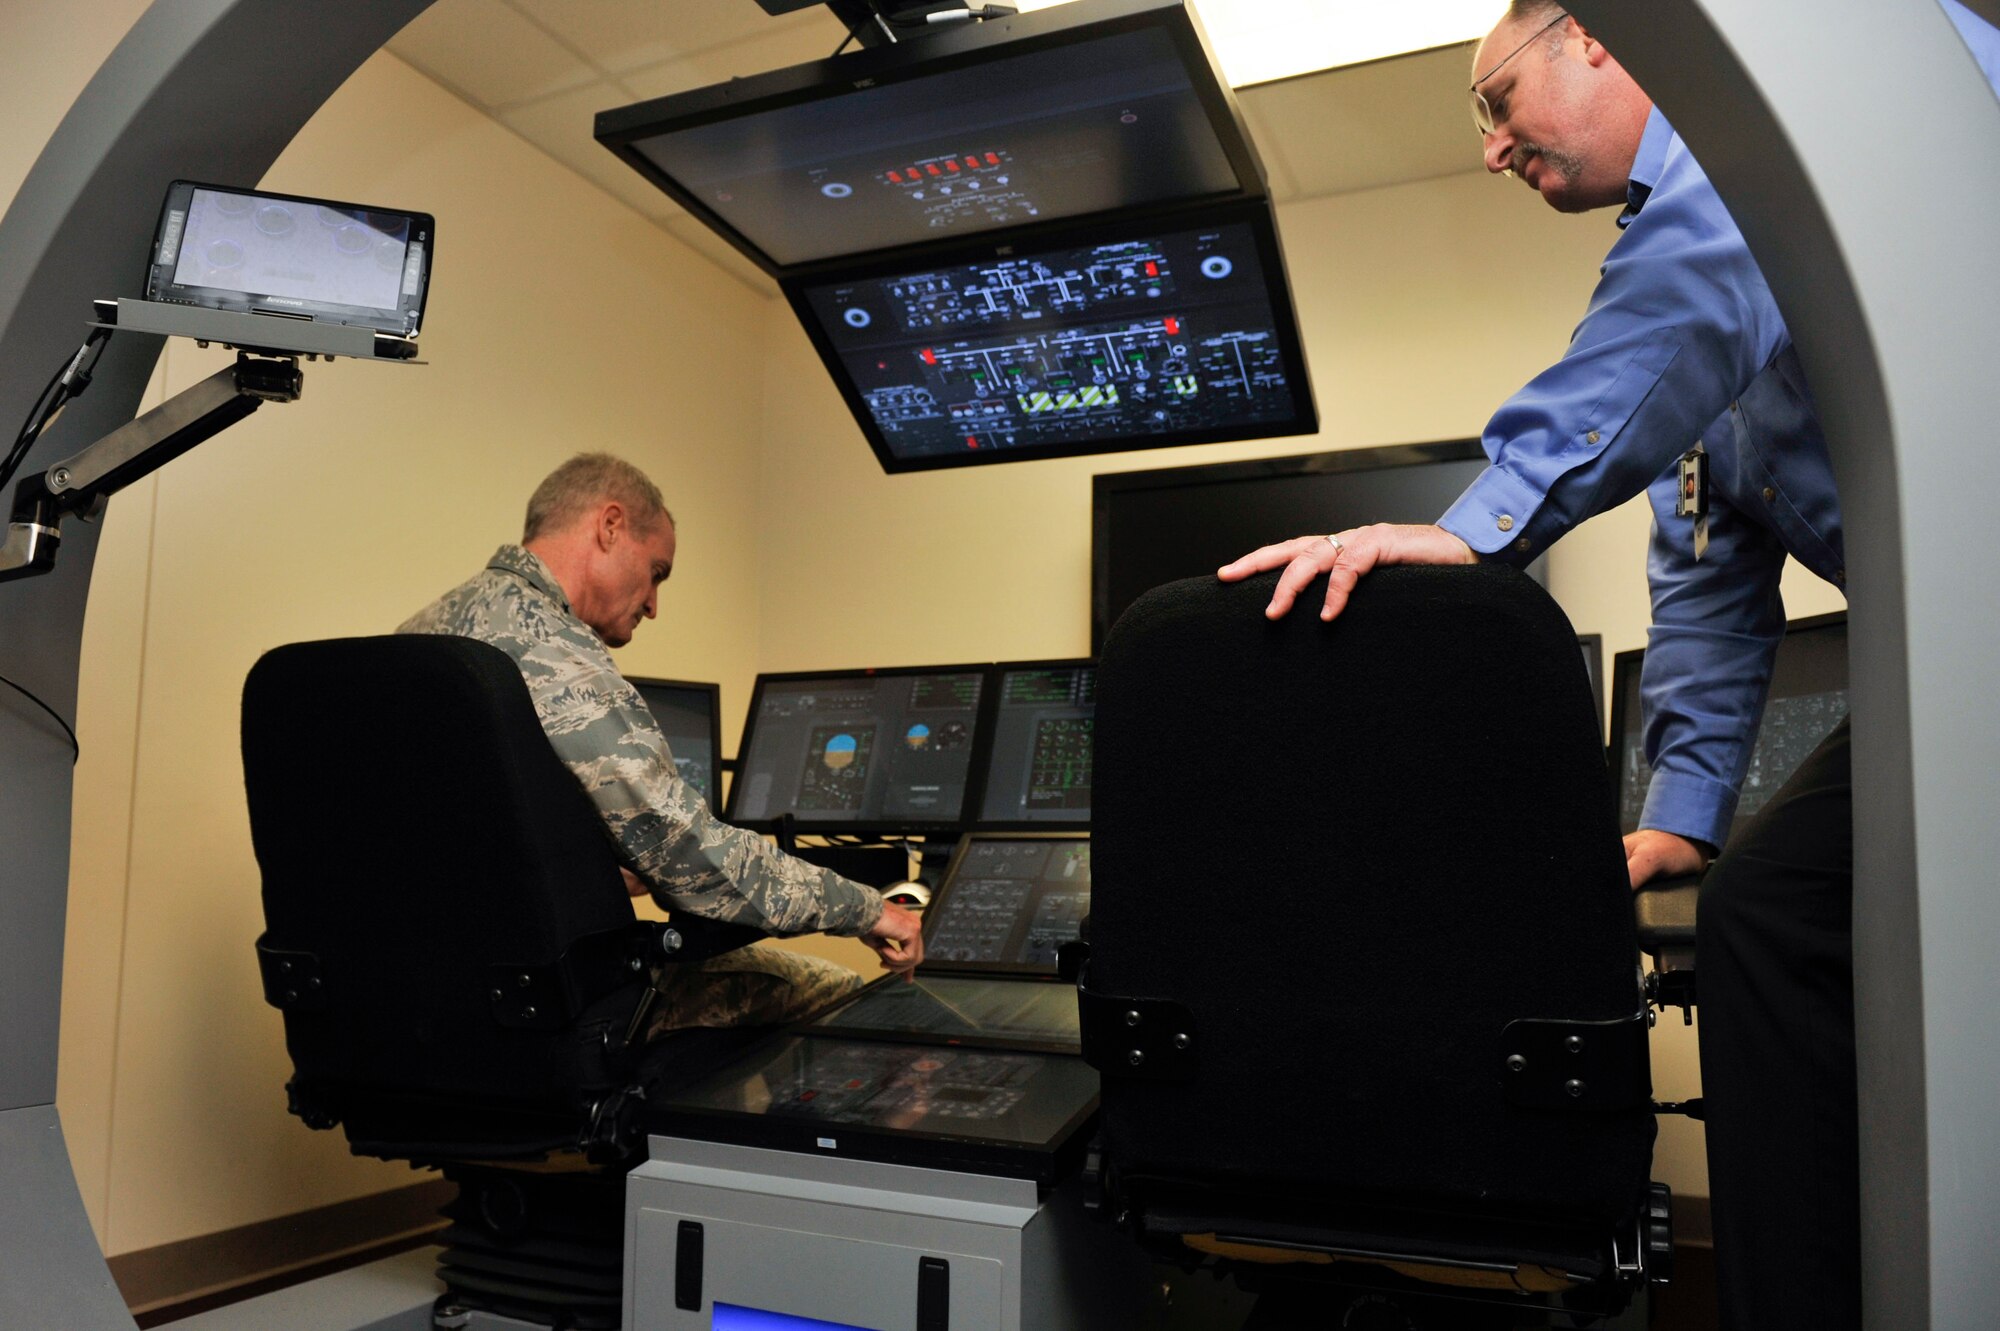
{"type": "Point", "coordinates": [1257, 41]}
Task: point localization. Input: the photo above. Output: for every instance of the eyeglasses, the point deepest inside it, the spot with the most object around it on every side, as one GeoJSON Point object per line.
{"type": "Point", "coordinates": [1483, 118]}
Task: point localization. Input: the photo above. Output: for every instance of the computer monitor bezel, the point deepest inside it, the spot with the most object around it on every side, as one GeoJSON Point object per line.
{"type": "Point", "coordinates": [974, 44]}
{"type": "Point", "coordinates": [975, 761]}
{"type": "Point", "coordinates": [979, 822]}
{"type": "Point", "coordinates": [714, 692]}
{"type": "Point", "coordinates": [1631, 661]}
{"type": "Point", "coordinates": [1256, 214]}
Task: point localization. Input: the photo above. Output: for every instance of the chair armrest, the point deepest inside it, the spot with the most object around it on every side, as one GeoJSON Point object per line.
{"type": "Point", "coordinates": [1665, 913]}
{"type": "Point", "coordinates": [687, 938]}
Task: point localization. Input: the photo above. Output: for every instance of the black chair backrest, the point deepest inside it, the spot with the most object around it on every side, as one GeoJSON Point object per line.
{"type": "Point", "coordinates": [439, 872]}
{"type": "Point", "coordinates": [1355, 851]}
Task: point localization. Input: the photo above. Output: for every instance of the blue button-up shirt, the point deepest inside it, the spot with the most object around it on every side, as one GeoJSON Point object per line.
{"type": "Point", "coordinates": [1682, 342]}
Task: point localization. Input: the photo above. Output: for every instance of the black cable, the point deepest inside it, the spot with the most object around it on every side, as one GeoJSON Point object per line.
{"type": "Point", "coordinates": [76, 750]}
{"type": "Point", "coordinates": [63, 387]}
{"type": "Point", "coordinates": [26, 438]}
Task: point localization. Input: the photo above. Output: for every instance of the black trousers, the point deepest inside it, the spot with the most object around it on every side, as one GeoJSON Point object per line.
{"type": "Point", "coordinates": [1775, 961]}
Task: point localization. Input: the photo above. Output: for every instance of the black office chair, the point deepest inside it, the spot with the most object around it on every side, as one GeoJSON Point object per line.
{"type": "Point", "coordinates": [462, 976]}
{"type": "Point", "coordinates": [1363, 975]}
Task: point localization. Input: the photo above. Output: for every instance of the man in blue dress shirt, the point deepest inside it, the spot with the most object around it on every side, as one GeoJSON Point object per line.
{"type": "Point", "coordinates": [1682, 366]}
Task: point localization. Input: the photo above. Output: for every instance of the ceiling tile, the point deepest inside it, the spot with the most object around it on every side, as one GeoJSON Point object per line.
{"type": "Point", "coordinates": [488, 54]}
{"type": "Point", "coordinates": [1370, 125]}
{"type": "Point", "coordinates": [622, 35]}
{"type": "Point", "coordinates": [720, 253]}
{"type": "Point", "coordinates": [767, 51]}
{"type": "Point", "coordinates": [561, 127]}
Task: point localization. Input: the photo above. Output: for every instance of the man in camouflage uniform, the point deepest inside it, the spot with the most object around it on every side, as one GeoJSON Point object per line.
{"type": "Point", "coordinates": [598, 544]}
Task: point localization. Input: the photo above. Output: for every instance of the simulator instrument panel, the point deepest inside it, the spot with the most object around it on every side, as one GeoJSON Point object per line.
{"type": "Point", "coordinates": [1039, 771]}
{"type": "Point", "coordinates": [888, 750]}
{"type": "Point", "coordinates": [1058, 349]}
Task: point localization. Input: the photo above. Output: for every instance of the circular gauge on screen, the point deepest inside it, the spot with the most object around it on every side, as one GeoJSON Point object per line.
{"type": "Point", "coordinates": [274, 219]}
{"type": "Point", "coordinates": [223, 254]}
{"type": "Point", "coordinates": [949, 735]}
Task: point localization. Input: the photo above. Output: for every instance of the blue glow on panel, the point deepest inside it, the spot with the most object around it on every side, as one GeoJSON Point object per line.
{"type": "Point", "coordinates": [730, 1317]}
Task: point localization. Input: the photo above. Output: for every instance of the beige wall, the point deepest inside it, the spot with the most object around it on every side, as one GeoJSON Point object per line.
{"type": "Point", "coordinates": [341, 514]}
{"type": "Point", "coordinates": [385, 484]}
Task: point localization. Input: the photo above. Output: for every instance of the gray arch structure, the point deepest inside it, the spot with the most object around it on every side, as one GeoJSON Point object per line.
{"type": "Point", "coordinates": [1869, 210]}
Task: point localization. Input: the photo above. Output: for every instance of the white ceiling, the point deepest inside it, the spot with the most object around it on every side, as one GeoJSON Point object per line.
{"type": "Point", "coordinates": [545, 68]}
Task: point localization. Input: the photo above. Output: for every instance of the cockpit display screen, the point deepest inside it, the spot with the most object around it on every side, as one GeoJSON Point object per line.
{"type": "Point", "coordinates": [1173, 337]}
{"type": "Point", "coordinates": [1040, 769]}
{"type": "Point", "coordinates": [886, 751]}
{"type": "Point", "coordinates": [1008, 903]}
{"type": "Point", "coordinates": [953, 151]}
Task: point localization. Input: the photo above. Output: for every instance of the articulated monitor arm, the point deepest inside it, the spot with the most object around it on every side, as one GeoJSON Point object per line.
{"type": "Point", "coordinates": [81, 484]}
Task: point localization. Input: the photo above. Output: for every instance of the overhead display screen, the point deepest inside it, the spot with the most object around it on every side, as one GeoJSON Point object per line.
{"type": "Point", "coordinates": [1059, 132]}
{"type": "Point", "coordinates": [1040, 768]}
{"type": "Point", "coordinates": [882, 752]}
{"type": "Point", "coordinates": [1009, 903]}
{"type": "Point", "coordinates": [1807, 700]}
{"type": "Point", "coordinates": [1163, 338]}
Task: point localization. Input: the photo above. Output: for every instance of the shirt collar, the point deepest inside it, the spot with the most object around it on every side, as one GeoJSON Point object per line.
{"type": "Point", "coordinates": [530, 569]}
{"type": "Point", "coordinates": [1647, 165]}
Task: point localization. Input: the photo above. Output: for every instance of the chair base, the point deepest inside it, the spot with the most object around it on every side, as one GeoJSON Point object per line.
{"type": "Point", "coordinates": [544, 1249]}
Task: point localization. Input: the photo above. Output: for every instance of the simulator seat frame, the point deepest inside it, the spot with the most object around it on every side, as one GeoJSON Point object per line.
{"type": "Point", "coordinates": [1363, 975]}
{"type": "Point", "coordinates": [463, 980]}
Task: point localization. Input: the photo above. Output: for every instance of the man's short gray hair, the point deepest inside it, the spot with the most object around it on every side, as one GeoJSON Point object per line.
{"type": "Point", "coordinates": [1533, 11]}
{"type": "Point", "coordinates": [583, 483]}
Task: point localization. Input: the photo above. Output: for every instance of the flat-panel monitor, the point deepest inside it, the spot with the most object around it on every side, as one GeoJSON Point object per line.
{"type": "Point", "coordinates": [284, 255]}
{"type": "Point", "coordinates": [690, 716]}
{"type": "Point", "coordinates": [1592, 647]}
{"type": "Point", "coordinates": [1007, 902]}
{"type": "Point", "coordinates": [1038, 771]}
{"type": "Point", "coordinates": [861, 750]}
{"type": "Point", "coordinates": [996, 127]}
{"type": "Point", "coordinates": [1808, 698]}
{"type": "Point", "coordinates": [1004, 1112]}
{"type": "Point", "coordinates": [1150, 527]}
{"type": "Point", "coordinates": [974, 1011]}
{"type": "Point", "coordinates": [1176, 331]}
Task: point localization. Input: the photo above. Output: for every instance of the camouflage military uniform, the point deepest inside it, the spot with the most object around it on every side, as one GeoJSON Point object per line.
{"type": "Point", "coordinates": [663, 829]}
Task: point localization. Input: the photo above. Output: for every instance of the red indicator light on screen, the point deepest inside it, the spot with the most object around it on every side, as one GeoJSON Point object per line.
{"type": "Point", "coordinates": [933, 168]}
{"type": "Point", "coordinates": [896, 176]}
{"type": "Point", "coordinates": [972, 162]}
{"type": "Point", "coordinates": [930, 356]}
{"type": "Point", "coordinates": [1173, 327]}
{"type": "Point", "coordinates": [1152, 269]}
{"type": "Point", "coordinates": [971, 442]}
{"type": "Point", "coordinates": [951, 165]}
{"type": "Point", "coordinates": [993, 159]}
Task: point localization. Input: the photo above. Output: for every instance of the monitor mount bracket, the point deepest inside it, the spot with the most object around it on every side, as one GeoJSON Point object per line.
{"type": "Point", "coordinates": [80, 485]}
{"type": "Point", "coordinates": [889, 22]}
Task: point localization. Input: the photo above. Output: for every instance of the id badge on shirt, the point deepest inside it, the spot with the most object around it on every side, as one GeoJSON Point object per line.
{"type": "Point", "coordinates": [1693, 495]}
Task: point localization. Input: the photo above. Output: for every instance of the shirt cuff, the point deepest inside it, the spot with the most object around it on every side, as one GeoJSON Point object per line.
{"type": "Point", "coordinates": [1492, 516]}
{"type": "Point", "coordinates": [1690, 806]}
{"type": "Point", "coordinates": [851, 909]}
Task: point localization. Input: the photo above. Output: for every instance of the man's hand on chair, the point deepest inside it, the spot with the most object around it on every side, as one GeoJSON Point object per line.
{"type": "Point", "coordinates": [898, 938]}
{"type": "Point", "coordinates": [1358, 552]}
{"type": "Point", "coordinates": [1651, 855]}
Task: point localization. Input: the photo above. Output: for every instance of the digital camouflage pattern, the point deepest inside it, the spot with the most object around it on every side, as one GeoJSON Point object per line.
{"type": "Point", "coordinates": [602, 730]}
{"type": "Point", "coordinates": [765, 986]}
